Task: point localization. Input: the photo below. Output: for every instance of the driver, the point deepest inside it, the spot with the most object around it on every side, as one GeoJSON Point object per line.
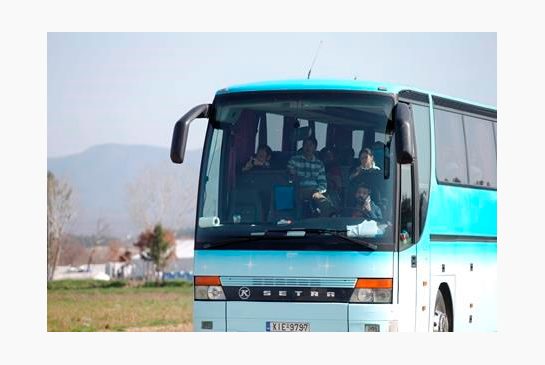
{"type": "Point", "coordinates": [365, 207]}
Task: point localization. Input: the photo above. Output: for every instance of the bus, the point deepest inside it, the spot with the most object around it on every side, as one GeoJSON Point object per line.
{"type": "Point", "coordinates": [335, 205]}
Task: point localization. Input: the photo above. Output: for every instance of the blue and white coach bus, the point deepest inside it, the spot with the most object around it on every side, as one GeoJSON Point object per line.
{"type": "Point", "coordinates": [344, 206]}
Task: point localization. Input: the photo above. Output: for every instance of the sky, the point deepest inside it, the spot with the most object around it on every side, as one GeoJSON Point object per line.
{"type": "Point", "coordinates": [130, 88]}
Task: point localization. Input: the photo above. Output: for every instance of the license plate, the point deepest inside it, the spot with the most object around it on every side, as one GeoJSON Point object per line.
{"type": "Point", "coordinates": [288, 327]}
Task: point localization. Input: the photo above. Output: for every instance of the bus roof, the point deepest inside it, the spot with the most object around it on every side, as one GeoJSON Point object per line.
{"type": "Point", "coordinates": [335, 84]}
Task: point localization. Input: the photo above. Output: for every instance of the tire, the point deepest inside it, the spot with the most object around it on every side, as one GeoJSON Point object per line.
{"type": "Point", "coordinates": [441, 320]}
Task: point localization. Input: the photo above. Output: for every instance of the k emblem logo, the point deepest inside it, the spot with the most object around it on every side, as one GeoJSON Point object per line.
{"type": "Point", "coordinates": [244, 293]}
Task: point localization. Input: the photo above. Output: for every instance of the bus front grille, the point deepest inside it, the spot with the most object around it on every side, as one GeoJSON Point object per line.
{"type": "Point", "coordinates": [288, 282]}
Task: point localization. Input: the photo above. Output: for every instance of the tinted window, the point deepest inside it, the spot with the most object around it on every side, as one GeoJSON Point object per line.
{"type": "Point", "coordinates": [304, 132]}
{"type": "Point", "coordinates": [481, 151]}
{"type": "Point", "coordinates": [406, 214]}
{"type": "Point", "coordinates": [274, 131]}
{"type": "Point", "coordinates": [450, 148]}
{"type": "Point", "coordinates": [357, 141]}
{"type": "Point", "coordinates": [380, 137]}
{"type": "Point", "coordinates": [421, 116]}
{"type": "Point", "coordinates": [495, 136]}
{"type": "Point", "coordinates": [211, 188]}
{"type": "Point", "coordinates": [320, 133]}
{"type": "Point", "coordinates": [241, 196]}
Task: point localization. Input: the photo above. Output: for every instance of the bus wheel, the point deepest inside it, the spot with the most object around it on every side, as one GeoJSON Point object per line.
{"type": "Point", "coordinates": [440, 317]}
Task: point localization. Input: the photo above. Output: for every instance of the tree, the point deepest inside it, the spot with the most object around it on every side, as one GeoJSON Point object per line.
{"type": "Point", "coordinates": [162, 194]}
{"type": "Point", "coordinates": [157, 246]}
{"type": "Point", "coordinates": [60, 212]}
{"type": "Point", "coordinates": [100, 237]}
{"type": "Point", "coordinates": [73, 252]}
{"type": "Point", "coordinates": [114, 250]}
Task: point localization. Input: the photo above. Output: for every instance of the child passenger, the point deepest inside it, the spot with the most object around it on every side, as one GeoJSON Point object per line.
{"type": "Point", "coordinates": [260, 160]}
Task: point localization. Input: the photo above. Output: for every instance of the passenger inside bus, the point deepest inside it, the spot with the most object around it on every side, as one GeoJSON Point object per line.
{"type": "Point", "coordinates": [308, 175]}
{"type": "Point", "coordinates": [367, 163]}
{"type": "Point", "coordinates": [365, 172]}
{"type": "Point", "coordinates": [285, 178]}
{"type": "Point", "coordinates": [364, 206]}
{"type": "Point", "coordinates": [260, 160]}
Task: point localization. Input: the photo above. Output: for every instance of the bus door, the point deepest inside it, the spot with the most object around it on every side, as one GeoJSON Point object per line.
{"type": "Point", "coordinates": [413, 258]}
{"type": "Point", "coordinates": [407, 255]}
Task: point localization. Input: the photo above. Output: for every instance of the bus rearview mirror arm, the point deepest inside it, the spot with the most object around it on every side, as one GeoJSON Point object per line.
{"type": "Point", "coordinates": [404, 131]}
{"type": "Point", "coordinates": [181, 129]}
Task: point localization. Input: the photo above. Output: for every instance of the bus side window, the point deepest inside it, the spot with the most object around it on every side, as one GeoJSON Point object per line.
{"type": "Point", "coordinates": [421, 117]}
{"type": "Point", "coordinates": [451, 162]}
{"type": "Point", "coordinates": [481, 152]}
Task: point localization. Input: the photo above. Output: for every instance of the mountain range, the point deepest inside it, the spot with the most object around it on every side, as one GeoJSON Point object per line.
{"type": "Point", "coordinates": [102, 175]}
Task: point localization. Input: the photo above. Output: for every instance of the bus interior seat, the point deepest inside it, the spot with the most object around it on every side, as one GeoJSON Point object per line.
{"type": "Point", "coordinates": [262, 181]}
{"type": "Point", "coordinates": [283, 203]}
{"type": "Point", "coordinates": [284, 197]}
{"type": "Point", "coordinates": [302, 132]}
{"type": "Point", "coordinates": [279, 159]}
{"type": "Point", "coordinates": [345, 181]}
{"type": "Point", "coordinates": [247, 204]}
{"type": "Point", "coordinates": [262, 178]}
{"type": "Point", "coordinates": [345, 155]}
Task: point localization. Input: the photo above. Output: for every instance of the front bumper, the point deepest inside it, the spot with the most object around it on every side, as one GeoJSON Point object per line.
{"type": "Point", "coordinates": [322, 317]}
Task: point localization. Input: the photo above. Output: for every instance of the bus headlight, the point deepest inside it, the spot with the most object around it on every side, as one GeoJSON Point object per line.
{"type": "Point", "coordinates": [201, 292]}
{"type": "Point", "coordinates": [216, 293]}
{"type": "Point", "coordinates": [372, 291]}
{"type": "Point", "coordinates": [371, 296]}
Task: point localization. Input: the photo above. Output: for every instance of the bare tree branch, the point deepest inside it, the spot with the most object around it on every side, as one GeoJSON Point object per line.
{"type": "Point", "coordinates": [60, 212]}
{"type": "Point", "coordinates": [160, 194]}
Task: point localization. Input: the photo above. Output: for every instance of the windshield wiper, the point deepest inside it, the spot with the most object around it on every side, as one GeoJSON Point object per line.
{"type": "Point", "coordinates": [254, 236]}
{"type": "Point", "coordinates": [292, 232]}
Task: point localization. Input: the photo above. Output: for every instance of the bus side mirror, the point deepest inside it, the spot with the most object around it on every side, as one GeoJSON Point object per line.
{"type": "Point", "coordinates": [181, 129]}
{"type": "Point", "coordinates": [404, 131]}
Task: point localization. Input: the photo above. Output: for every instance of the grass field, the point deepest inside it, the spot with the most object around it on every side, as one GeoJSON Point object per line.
{"type": "Point", "coordinates": [118, 306]}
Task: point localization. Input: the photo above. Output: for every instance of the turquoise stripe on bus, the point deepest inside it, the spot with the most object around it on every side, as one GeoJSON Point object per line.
{"type": "Point", "coordinates": [462, 211]}
{"type": "Point", "coordinates": [340, 85]}
{"type": "Point", "coordinates": [296, 264]}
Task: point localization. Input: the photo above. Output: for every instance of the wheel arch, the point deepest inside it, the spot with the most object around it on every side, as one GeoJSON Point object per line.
{"type": "Point", "coordinates": [447, 297]}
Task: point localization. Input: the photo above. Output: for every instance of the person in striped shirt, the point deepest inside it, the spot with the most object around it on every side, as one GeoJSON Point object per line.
{"type": "Point", "coordinates": [308, 172]}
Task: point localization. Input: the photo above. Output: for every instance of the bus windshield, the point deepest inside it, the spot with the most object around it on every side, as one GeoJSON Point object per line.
{"type": "Point", "coordinates": [298, 171]}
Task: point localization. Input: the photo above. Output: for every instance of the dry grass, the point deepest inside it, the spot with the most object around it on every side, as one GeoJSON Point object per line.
{"type": "Point", "coordinates": [120, 309]}
{"type": "Point", "coordinates": [183, 327]}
